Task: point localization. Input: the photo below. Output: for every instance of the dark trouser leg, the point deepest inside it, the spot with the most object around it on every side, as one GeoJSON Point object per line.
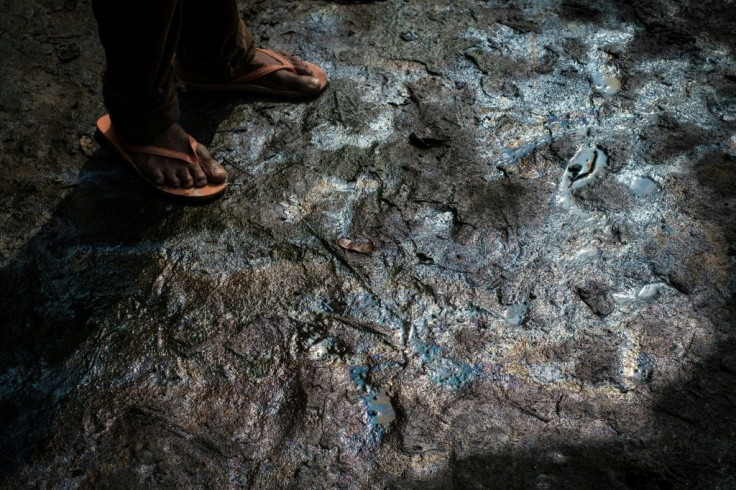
{"type": "Point", "coordinates": [140, 38]}
{"type": "Point", "coordinates": [214, 41]}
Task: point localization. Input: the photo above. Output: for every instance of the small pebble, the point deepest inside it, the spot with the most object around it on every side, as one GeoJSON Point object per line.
{"type": "Point", "coordinates": [87, 145]}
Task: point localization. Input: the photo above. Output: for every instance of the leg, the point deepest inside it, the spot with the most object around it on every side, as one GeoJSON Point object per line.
{"type": "Point", "coordinates": [214, 40]}
{"type": "Point", "coordinates": [140, 37]}
{"type": "Point", "coordinates": [216, 46]}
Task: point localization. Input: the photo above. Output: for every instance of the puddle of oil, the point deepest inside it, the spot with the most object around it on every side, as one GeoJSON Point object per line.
{"type": "Point", "coordinates": [451, 374]}
{"type": "Point", "coordinates": [376, 402]}
{"type": "Point", "coordinates": [443, 371]}
{"type": "Point", "coordinates": [647, 293]}
{"type": "Point", "coordinates": [643, 186]}
{"type": "Point", "coordinates": [514, 315]}
{"type": "Point", "coordinates": [587, 165]}
{"type": "Point", "coordinates": [650, 291]}
{"type": "Point", "coordinates": [380, 411]}
{"type": "Point", "coordinates": [359, 374]}
{"type": "Point", "coordinates": [607, 85]}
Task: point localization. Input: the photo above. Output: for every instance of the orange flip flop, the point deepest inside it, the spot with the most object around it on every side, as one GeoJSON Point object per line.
{"type": "Point", "coordinates": [245, 82]}
{"type": "Point", "coordinates": [104, 125]}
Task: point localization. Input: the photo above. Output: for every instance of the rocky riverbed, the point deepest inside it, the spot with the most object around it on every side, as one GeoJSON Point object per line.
{"type": "Point", "coordinates": [548, 192]}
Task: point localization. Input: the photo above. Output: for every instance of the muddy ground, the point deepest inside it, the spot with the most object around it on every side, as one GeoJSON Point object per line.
{"type": "Point", "coordinates": [549, 190]}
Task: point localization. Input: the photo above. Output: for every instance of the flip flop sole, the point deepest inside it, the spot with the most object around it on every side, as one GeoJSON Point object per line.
{"type": "Point", "coordinates": [104, 126]}
{"type": "Point", "coordinates": [319, 73]}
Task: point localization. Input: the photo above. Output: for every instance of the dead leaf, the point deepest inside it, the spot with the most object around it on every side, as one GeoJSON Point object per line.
{"type": "Point", "coordinates": [363, 247]}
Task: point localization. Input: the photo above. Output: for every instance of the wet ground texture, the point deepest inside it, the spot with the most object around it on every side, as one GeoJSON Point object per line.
{"type": "Point", "coordinates": [548, 189]}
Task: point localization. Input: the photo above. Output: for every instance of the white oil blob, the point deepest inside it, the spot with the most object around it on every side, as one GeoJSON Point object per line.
{"type": "Point", "coordinates": [643, 186]}
{"type": "Point", "coordinates": [514, 315]}
{"type": "Point", "coordinates": [607, 85]}
{"type": "Point", "coordinates": [650, 291]}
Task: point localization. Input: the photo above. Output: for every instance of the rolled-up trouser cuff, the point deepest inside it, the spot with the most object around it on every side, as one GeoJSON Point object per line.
{"type": "Point", "coordinates": [140, 121]}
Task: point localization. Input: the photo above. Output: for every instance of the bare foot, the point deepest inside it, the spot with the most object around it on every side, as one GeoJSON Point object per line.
{"type": "Point", "coordinates": [177, 173]}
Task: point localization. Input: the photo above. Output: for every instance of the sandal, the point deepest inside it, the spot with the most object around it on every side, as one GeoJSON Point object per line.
{"type": "Point", "coordinates": [245, 83]}
{"type": "Point", "coordinates": [210, 191]}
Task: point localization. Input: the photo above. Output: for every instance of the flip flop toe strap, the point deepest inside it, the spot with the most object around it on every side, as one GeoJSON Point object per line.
{"type": "Point", "coordinates": [265, 70]}
{"type": "Point", "coordinates": [277, 56]}
{"type": "Point", "coordinates": [192, 158]}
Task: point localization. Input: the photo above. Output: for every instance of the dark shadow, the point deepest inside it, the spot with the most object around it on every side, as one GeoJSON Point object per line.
{"type": "Point", "coordinates": [202, 112]}
{"type": "Point", "coordinates": [53, 294]}
{"type": "Point", "coordinates": [60, 287]}
{"type": "Point", "coordinates": [663, 34]}
{"type": "Point", "coordinates": [716, 174]}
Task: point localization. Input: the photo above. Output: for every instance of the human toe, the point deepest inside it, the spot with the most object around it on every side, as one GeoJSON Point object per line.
{"type": "Point", "coordinates": [200, 178]}
{"type": "Point", "coordinates": [185, 177]}
{"type": "Point", "coordinates": [172, 179]}
{"type": "Point", "coordinates": [301, 66]}
{"type": "Point", "coordinates": [303, 69]}
{"type": "Point", "coordinates": [157, 176]}
{"type": "Point", "coordinates": [214, 172]}
{"type": "Point", "coordinates": [300, 83]}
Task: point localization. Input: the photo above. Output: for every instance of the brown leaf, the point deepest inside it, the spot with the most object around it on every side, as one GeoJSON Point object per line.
{"type": "Point", "coordinates": [363, 247]}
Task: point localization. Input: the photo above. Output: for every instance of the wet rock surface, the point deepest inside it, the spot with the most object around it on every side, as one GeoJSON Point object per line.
{"type": "Point", "coordinates": [548, 301]}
